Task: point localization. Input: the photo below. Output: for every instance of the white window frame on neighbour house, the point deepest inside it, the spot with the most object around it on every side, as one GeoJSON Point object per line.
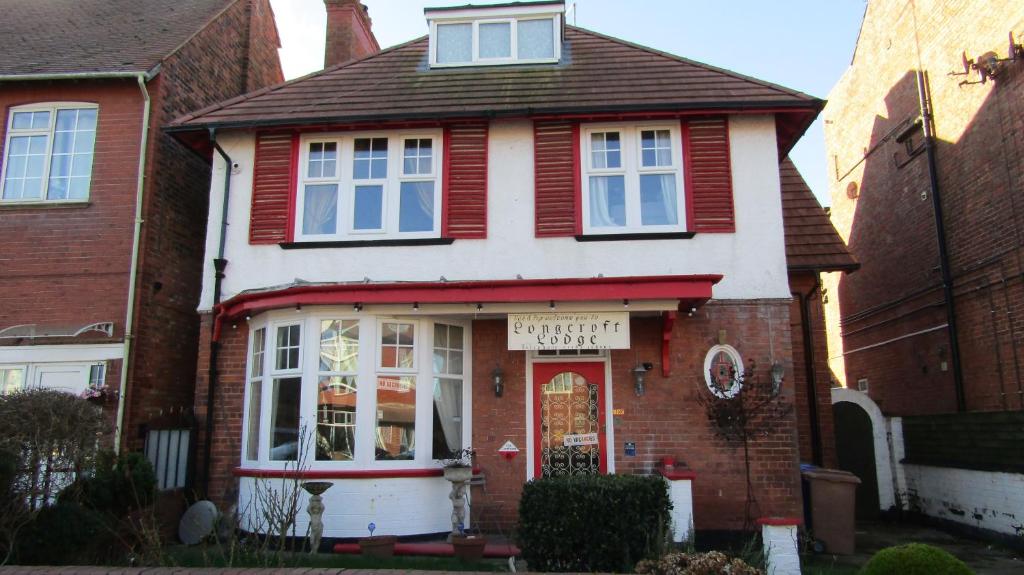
{"type": "Point", "coordinates": [346, 185]}
{"type": "Point", "coordinates": [513, 21]}
{"type": "Point", "coordinates": [632, 169]}
{"type": "Point", "coordinates": [371, 376]}
{"type": "Point", "coordinates": [79, 160]}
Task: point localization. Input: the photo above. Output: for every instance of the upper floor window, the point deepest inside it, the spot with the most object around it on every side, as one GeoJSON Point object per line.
{"type": "Point", "coordinates": [369, 186]}
{"type": "Point", "coordinates": [632, 179]}
{"type": "Point", "coordinates": [499, 35]}
{"type": "Point", "coordinates": [48, 152]}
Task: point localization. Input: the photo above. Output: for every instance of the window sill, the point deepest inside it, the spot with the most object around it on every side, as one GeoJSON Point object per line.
{"type": "Point", "coordinates": [635, 236]}
{"type": "Point", "coordinates": [53, 205]}
{"type": "Point", "coordinates": [339, 473]}
{"type": "Point", "coordinates": [366, 243]}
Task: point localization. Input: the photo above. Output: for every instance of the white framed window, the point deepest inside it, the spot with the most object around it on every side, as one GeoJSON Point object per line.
{"type": "Point", "coordinates": [632, 178]}
{"type": "Point", "coordinates": [48, 153]}
{"type": "Point", "coordinates": [370, 392]}
{"type": "Point", "coordinates": [369, 186]}
{"type": "Point", "coordinates": [12, 378]}
{"type": "Point", "coordinates": [525, 39]}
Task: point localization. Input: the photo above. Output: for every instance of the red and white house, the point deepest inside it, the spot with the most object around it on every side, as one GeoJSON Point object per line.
{"type": "Point", "coordinates": [482, 236]}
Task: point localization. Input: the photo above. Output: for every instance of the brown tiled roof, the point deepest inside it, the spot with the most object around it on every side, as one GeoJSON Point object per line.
{"type": "Point", "coordinates": [597, 74]}
{"type": "Point", "coordinates": [77, 36]}
{"type": "Point", "coordinates": [812, 243]}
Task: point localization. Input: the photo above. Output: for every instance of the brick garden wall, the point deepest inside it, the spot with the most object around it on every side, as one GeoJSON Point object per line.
{"type": "Point", "coordinates": [887, 317]}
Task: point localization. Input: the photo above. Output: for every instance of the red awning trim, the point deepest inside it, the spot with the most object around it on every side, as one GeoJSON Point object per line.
{"type": "Point", "coordinates": [689, 288]}
{"type": "Point", "coordinates": [677, 474]}
{"type": "Point", "coordinates": [780, 521]}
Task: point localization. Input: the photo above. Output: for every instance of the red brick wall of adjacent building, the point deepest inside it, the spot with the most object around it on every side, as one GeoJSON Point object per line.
{"type": "Point", "coordinates": [805, 284]}
{"type": "Point", "coordinates": [234, 54]}
{"type": "Point", "coordinates": [890, 312]}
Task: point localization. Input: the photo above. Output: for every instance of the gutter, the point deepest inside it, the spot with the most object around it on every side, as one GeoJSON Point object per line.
{"type": "Point", "coordinates": [147, 76]}
{"type": "Point", "coordinates": [129, 323]}
{"type": "Point", "coordinates": [219, 265]}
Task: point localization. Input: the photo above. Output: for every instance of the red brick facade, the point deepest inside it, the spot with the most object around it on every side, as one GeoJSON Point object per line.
{"type": "Point", "coordinates": [804, 285]}
{"type": "Point", "coordinates": [887, 320]}
{"type": "Point", "coordinates": [69, 265]}
{"type": "Point", "coordinates": [666, 421]}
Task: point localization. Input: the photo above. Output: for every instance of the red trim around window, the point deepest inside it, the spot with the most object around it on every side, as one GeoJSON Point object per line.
{"type": "Point", "coordinates": [687, 175]}
{"type": "Point", "coordinates": [593, 373]}
{"type": "Point", "coordinates": [293, 186]}
{"type": "Point", "coordinates": [577, 175]}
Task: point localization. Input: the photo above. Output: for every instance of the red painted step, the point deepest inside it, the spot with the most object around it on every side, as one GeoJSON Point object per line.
{"type": "Point", "coordinates": [434, 549]}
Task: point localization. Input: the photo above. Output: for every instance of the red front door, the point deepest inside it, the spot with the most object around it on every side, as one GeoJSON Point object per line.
{"type": "Point", "coordinates": [568, 419]}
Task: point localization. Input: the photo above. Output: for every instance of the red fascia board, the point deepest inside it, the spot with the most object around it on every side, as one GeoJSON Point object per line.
{"type": "Point", "coordinates": [780, 521]}
{"type": "Point", "coordinates": [692, 287]}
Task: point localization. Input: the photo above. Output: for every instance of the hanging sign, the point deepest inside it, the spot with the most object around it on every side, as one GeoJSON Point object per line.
{"type": "Point", "coordinates": [570, 439]}
{"type": "Point", "coordinates": [571, 330]}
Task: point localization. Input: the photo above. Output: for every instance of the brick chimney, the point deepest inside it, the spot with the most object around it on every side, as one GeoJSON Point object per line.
{"type": "Point", "coordinates": [348, 32]}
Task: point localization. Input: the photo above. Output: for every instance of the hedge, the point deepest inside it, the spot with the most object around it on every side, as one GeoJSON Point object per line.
{"type": "Point", "coordinates": [593, 522]}
{"type": "Point", "coordinates": [914, 559]}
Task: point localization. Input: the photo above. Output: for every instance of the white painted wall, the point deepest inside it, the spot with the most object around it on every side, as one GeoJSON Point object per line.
{"type": "Point", "coordinates": [398, 506]}
{"type": "Point", "coordinates": [752, 260]}
{"type": "Point", "coordinates": [982, 499]}
{"type": "Point", "coordinates": [680, 491]}
{"type": "Point", "coordinates": [782, 554]}
{"type": "Point", "coordinates": [884, 462]}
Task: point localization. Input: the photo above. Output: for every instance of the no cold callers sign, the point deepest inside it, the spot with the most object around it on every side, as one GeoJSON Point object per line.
{"type": "Point", "coordinates": [584, 330]}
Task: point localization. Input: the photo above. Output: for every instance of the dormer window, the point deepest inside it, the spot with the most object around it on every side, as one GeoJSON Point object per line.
{"type": "Point", "coordinates": [494, 35]}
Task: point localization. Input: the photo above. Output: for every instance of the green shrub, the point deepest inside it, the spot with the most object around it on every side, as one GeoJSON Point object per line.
{"type": "Point", "coordinates": [593, 522]}
{"type": "Point", "coordinates": [914, 559]}
{"type": "Point", "coordinates": [118, 485]}
{"type": "Point", "coordinates": [64, 534]}
{"type": "Point", "coordinates": [711, 563]}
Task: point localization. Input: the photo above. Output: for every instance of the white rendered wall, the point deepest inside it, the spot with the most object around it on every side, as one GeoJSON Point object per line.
{"type": "Point", "coordinates": [398, 506]}
{"type": "Point", "coordinates": [982, 499]}
{"type": "Point", "coordinates": [782, 555]}
{"type": "Point", "coordinates": [680, 491]}
{"type": "Point", "coordinates": [752, 260]}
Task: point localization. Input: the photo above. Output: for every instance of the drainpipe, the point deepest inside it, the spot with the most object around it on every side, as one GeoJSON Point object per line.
{"type": "Point", "coordinates": [940, 233]}
{"type": "Point", "coordinates": [219, 265]}
{"type": "Point", "coordinates": [129, 323]}
{"type": "Point", "coordinates": [812, 379]}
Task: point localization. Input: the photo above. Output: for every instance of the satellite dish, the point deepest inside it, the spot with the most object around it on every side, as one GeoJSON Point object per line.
{"type": "Point", "coordinates": [198, 522]}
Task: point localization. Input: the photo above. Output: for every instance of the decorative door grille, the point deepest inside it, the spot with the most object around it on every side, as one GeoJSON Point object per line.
{"type": "Point", "coordinates": [569, 408]}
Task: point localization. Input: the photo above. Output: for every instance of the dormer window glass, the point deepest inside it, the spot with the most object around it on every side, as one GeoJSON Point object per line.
{"type": "Point", "coordinates": [480, 36]}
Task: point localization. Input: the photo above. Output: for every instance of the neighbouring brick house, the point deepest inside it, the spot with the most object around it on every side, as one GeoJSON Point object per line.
{"type": "Point", "coordinates": [918, 396]}
{"type": "Point", "coordinates": [102, 215]}
{"type": "Point", "coordinates": [403, 225]}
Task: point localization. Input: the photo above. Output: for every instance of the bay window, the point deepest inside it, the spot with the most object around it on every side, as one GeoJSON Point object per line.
{"type": "Point", "coordinates": [304, 403]}
{"type": "Point", "coordinates": [369, 186]}
{"type": "Point", "coordinates": [632, 179]}
{"type": "Point", "coordinates": [48, 153]}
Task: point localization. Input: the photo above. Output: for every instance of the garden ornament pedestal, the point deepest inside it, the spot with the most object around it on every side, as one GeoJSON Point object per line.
{"type": "Point", "coordinates": [459, 478]}
{"type": "Point", "coordinates": [316, 511]}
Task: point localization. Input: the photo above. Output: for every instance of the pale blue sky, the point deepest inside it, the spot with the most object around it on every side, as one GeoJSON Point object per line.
{"type": "Point", "coordinates": [801, 44]}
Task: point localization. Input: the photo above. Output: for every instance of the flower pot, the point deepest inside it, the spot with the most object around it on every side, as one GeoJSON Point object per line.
{"type": "Point", "coordinates": [380, 546]}
{"type": "Point", "coordinates": [469, 548]}
{"type": "Point", "coordinates": [458, 474]}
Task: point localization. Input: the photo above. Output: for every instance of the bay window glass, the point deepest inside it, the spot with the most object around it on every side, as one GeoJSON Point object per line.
{"type": "Point", "coordinates": [414, 369]}
{"type": "Point", "coordinates": [495, 40]}
{"type": "Point", "coordinates": [447, 396]}
{"type": "Point", "coordinates": [48, 154]}
{"type": "Point", "coordinates": [337, 377]}
{"type": "Point", "coordinates": [369, 187]}
{"type": "Point", "coordinates": [12, 379]}
{"type": "Point", "coordinates": [633, 180]}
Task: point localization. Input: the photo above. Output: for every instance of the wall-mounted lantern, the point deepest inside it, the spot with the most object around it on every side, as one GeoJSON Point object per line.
{"type": "Point", "coordinates": [639, 375]}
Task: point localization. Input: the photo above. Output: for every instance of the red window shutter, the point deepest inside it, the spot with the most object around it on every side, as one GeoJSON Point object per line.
{"type": "Point", "coordinates": [465, 181]}
{"type": "Point", "coordinates": [272, 188]}
{"type": "Point", "coordinates": [556, 179]}
{"type": "Point", "coordinates": [708, 175]}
